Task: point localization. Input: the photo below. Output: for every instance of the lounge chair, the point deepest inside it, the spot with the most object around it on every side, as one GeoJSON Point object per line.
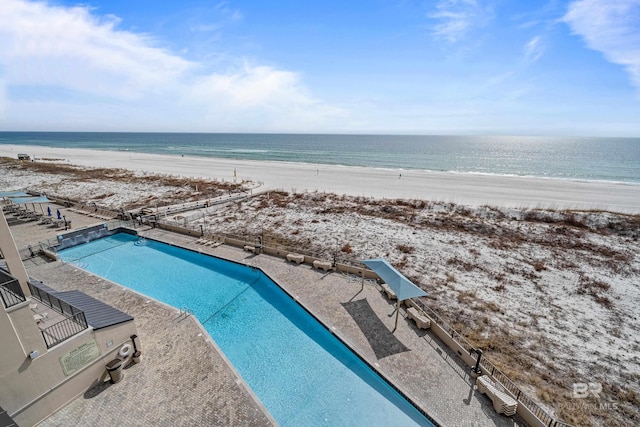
{"type": "Point", "coordinates": [322, 265]}
{"type": "Point", "coordinates": [422, 321]}
{"type": "Point", "coordinates": [40, 318]}
{"type": "Point", "coordinates": [483, 382]}
{"type": "Point", "coordinates": [254, 249]}
{"type": "Point", "coordinates": [387, 290]}
{"type": "Point", "coordinates": [297, 258]}
{"type": "Point", "coordinates": [218, 241]}
{"type": "Point", "coordinates": [502, 402]}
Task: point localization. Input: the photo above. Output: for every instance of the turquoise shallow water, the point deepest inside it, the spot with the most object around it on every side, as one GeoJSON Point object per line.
{"type": "Point", "coordinates": [601, 159]}
{"type": "Point", "coordinates": [303, 375]}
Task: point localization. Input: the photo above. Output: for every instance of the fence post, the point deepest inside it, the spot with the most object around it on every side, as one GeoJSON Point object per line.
{"type": "Point", "coordinates": [476, 368]}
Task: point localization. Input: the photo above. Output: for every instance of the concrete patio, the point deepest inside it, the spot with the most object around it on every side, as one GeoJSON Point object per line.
{"type": "Point", "coordinates": [183, 379]}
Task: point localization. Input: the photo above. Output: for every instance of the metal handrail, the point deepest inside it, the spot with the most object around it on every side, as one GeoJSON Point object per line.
{"type": "Point", "coordinates": [11, 292]}
{"type": "Point", "coordinates": [509, 385]}
{"type": "Point", "coordinates": [74, 323]}
{"type": "Point", "coordinates": [64, 329]}
{"type": "Point", "coordinates": [266, 243]}
{"type": "Point", "coordinates": [52, 301]}
{"type": "Point", "coordinates": [496, 373]}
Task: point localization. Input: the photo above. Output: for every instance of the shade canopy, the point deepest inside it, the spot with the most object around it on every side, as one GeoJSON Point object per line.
{"type": "Point", "coordinates": [401, 286]}
{"type": "Point", "coordinates": [13, 194]}
{"type": "Point", "coordinates": [35, 199]}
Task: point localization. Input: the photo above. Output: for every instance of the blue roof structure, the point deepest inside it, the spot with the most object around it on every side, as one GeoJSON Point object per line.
{"type": "Point", "coordinates": [14, 194]}
{"type": "Point", "coordinates": [30, 199]}
{"type": "Point", "coordinates": [402, 287]}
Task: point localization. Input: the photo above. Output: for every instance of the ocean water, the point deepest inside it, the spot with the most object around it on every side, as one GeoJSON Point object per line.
{"type": "Point", "coordinates": [599, 159]}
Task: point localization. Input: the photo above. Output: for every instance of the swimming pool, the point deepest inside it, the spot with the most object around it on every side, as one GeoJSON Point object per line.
{"type": "Point", "coordinates": [301, 372]}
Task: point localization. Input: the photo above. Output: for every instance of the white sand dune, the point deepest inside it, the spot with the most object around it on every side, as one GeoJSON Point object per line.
{"type": "Point", "coordinates": [555, 292]}
{"type": "Point", "coordinates": [468, 189]}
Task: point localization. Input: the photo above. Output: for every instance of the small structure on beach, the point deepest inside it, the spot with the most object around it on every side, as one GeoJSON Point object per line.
{"type": "Point", "coordinates": [402, 287]}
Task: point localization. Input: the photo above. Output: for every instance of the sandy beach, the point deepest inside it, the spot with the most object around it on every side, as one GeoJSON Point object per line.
{"type": "Point", "coordinates": [551, 296]}
{"type": "Point", "coordinates": [466, 189]}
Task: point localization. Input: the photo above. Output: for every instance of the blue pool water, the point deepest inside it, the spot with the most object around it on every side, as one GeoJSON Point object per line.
{"type": "Point", "coordinates": [302, 374]}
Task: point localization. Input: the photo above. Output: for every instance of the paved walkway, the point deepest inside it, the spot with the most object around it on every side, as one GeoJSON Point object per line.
{"type": "Point", "coordinates": [184, 380]}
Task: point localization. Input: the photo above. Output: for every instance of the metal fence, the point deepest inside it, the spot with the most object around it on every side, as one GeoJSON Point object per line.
{"type": "Point", "coordinates": [268, 240]}
{"type": "Point", "coordinates": [520, 396]}
{"type": "Point", "coordinates": [496, 373]}
{"type": "Point", "coordinates": [64, 329]}
{"type": "Point", "coordinates": [74, 323]}
{"type": "Point", "coordinates": [46, 297]}
{"type": "Point", "coordinates": [48, 244]}
{"type": "Point", "coordinates": [10, 290]}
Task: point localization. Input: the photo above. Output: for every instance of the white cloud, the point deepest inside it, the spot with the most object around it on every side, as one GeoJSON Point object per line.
{"type": "Point", "coordinates": [610, 27]}
{"type": "Point", "coordinates": [533, 50]}
{"type": "Point", "coordinates": [272, 98]}
{"type": "Point", "coordinates": [214, 18]}
{"type": "Point", "coordinates": [64, 62]}
{"type": "Point", "coordinates": [249, 87]}
{"type": "Point", "coordinates": [68, 47]}
{"type": "Point", "coordinates": [458, 17]}
{"type": "Point", "coordinates": [205, 28]}
{"type": "Point", "coordinates": [232, 14]}
{"type": "Point", "coordinates": [3, 97]}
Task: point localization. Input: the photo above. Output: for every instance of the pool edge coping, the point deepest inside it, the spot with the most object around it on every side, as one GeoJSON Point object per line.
{"type": "Point", "coordinates": [207, 338]}
{"type": "Point", "coordinates": [333, 332]}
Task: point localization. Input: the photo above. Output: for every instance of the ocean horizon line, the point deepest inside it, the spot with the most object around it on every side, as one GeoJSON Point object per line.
{"type": "Point", "coordinates": [324, 133]}
{"type": "Point", "coordinates": [613, 160]}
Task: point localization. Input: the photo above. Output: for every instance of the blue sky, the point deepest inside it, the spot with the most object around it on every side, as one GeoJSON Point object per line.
{"type": "Point", "coordinates": [503, 67]}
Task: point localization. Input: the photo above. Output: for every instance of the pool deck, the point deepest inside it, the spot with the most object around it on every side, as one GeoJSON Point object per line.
{"type": "Point", "coordinates": [183, 379]}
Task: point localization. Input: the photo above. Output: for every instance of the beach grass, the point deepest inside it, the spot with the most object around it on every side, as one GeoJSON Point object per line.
{"type": "Point", "coordinates": [550, 295]}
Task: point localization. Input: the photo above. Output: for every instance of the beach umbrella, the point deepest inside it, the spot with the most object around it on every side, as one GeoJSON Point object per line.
{"type": "Point", "coordinates": [401, 286]}
{"type": "Point", "coordinates": [58, 212]}
{"type": "Point", "coordinates": [49, 211]}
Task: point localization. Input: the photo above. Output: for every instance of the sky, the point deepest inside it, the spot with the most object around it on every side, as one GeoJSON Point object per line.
{"type": "Point", "coordinates": [487, 67]}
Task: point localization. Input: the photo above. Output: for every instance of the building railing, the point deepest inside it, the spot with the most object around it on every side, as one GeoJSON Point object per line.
{"type": "Point", "coordinates": [10, 290]}
{"type": "Point", "coordinates": [496, 373]}
{"type": "Point", "coordinates": [117, 223]}
{"type": "Point", "coordinates": [74, 323]}
{"type": "Point", "coordinates": [52, 301]}
{"type": "Point", "coordinates": [48, 244]}
{"type": "Point", "coordinates": [266, 241]}
{"type": "Point", "coordinates": [64, 329]}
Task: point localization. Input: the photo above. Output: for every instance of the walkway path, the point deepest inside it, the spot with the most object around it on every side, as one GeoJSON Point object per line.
{"type": "Point", "coordinates": [184, 379]}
